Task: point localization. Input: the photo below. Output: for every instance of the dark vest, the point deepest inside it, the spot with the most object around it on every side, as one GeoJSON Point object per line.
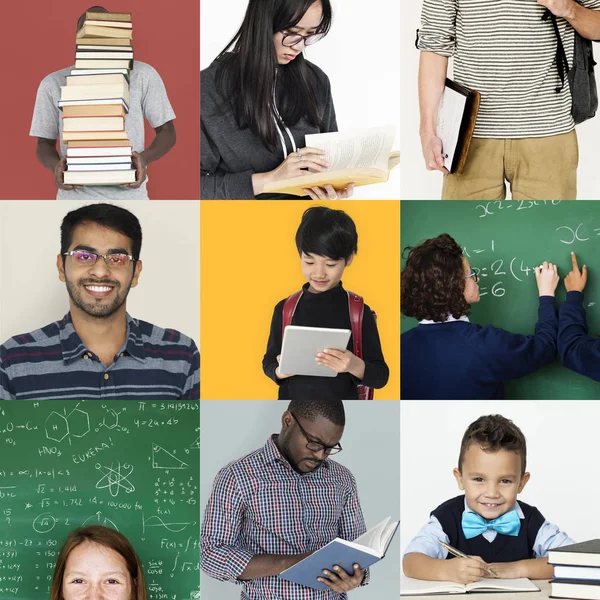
{"type": "Point", "coordinates": [505, 548]}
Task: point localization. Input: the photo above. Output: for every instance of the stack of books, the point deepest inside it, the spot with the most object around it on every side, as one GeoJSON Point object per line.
{"type": "Point", "coordinates": [95, 103]}
{"type": "Point", "coordinates": [576, 571]}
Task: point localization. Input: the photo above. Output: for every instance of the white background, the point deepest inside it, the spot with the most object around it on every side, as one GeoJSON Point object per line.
{"type": "Point", "coordinates": [360, 56]}
{"type": "Point", "coordinates": [420, 184]}
{"type": "Point", "coordinates": [168, 291]}
{"type": "Point", "coordinates": [562, 457]}
{"type": "Point", "coordinates": [371, 449]}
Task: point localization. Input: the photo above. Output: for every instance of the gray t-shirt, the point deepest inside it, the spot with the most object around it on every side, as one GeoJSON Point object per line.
{"type": "Point", "coordinates": [148, 99]}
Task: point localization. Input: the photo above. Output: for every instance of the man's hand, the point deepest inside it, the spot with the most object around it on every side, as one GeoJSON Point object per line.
{"type": "Point", "coordinates": [59, 176]}
{"type": "Point", "coordinates": [559, 8]}
{"type": "Point", "coordinates": [340, 581]}
{"type": "Point", "coordinates": [342, 362]}
{"type": "Point", "coordinates": [140, 168]}
{"type": "Point", "coordinates": [575, 280]}
{"type": "Point", "coordinates": [432, 153]}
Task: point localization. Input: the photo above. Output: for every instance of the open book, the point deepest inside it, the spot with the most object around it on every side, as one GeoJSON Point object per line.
{"type": "Point", "coordinates": [419, 587]}
{"type": "Point", "coordinates": [365, 551]}
{"type": "Point", "coordinates": [455, 124]}
{"type": "Point", "coordinates": [359, 156]}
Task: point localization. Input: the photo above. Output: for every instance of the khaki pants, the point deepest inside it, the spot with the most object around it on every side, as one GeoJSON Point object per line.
{"type": "Point", "coordinates": [536, 169]}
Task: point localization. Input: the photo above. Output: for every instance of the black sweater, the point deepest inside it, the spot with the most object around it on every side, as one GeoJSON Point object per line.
{"type": "Point", "coordinates": [229, 156]}
{"type": "Point", "coordinates": [326, 309]}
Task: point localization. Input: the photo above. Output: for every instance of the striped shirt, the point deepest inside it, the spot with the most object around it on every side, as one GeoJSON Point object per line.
{"type": "Point", "coordinates": [260, 505]}
{"type": "Point", "coordinates": [504, 50]}
{"type": "Point", "coordinates": [53, 363]}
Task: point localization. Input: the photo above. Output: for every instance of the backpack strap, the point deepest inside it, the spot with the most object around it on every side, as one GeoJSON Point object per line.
{"type": "Point", "coordinates": [356, 307]}
{"type": "Point", "coordinates": [289, 308]}
{"type": "Point", "coordinates": [562, 63]}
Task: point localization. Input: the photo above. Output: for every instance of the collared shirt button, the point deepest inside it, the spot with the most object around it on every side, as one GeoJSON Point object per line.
{"type": "Point", "coordinates": [105, 375]}
{"type": "Point", "coordinates": [122, 354]}
{"type": "Point", "coordinates": [85, 356]}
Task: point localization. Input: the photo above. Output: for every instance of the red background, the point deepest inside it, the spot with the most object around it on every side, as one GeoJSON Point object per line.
{"type": "Point", "coordinates": [39, 38]}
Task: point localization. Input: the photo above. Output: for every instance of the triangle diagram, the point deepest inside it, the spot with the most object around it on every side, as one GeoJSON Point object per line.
{"type": "Point", "coordinates": [161, 459]}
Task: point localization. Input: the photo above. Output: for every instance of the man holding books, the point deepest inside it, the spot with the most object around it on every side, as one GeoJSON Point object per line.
{"type": "Point", "coordinates": [507, 51]}
{"type": "Point", "coordinates": [144, 97]}
{"type": "Point", "coordinates": [276, 506]}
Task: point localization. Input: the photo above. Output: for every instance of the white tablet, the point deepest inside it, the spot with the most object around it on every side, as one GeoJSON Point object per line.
{"type": "Point", "coordinates": [301, 345]}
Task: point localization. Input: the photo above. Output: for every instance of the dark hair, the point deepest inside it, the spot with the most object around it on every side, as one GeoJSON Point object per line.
{"type": "Point", "coordinates": [105, 215]}
{"type": "Point", "coordinates": [108, 538]}
{"type": "Point", "coordinates": [492, 433]}
{"type": "Point", "coordinates": [327, 232]}
{"type": "Point", "coordinates": [249, 73]}
{"type": "Point", "coordinates": [432, 283]}
{"type": "Point", "coordinates": [332, 410]}
{"type": "Point", "coordinates": [90, 9]}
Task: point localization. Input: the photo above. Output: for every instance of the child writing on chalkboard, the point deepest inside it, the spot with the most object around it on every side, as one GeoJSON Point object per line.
{"type": "Point", "coordinates": [448, 357]}
{"type": "Point", "coordinates": [501, 537]}
{"type": "Point", "coordinates": [578, 351]}
{"type": "Point", "coordinates": [327, 241]}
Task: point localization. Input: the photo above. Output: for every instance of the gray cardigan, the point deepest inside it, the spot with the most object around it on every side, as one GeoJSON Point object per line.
{"type": "Point", "coordinates": [229, 155]}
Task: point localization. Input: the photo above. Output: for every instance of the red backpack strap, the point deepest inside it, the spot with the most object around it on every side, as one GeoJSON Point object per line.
{"type": "Point", "coordinates": [289, 307]}
{"type": "Point", "coordinates": [356, 307]}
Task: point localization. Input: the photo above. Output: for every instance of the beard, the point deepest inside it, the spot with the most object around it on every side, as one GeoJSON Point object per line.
{"type": "Point", "coordinates": [96, 307]}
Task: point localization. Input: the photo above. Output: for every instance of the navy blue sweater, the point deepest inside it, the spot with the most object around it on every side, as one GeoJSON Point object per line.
{"type": "Point", "coordinates": [578, 351]}
{"type": "Point", "coordinates": [464, 361]}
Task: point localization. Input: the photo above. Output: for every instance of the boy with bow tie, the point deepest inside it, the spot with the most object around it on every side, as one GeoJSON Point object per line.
{"type": "Point", "coordinates": [502, 537]}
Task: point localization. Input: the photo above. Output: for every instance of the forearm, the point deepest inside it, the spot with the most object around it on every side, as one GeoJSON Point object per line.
{"type": "Point", "coordinates": [421, 566]}
{"type": "Point", "coordinates": [585, 21]}
{"type": "Point", "coordinates": [535, 568]}
{"type": "Point", "coordinates": [269, 565]}
{"type": "Point", "coordinates": [259, 181]}
{"type": "Point", "coordinates": [163, 141]}
{"type": "Point", "coordinates": [432, 77]}
{"type": "Point", "coordinates": [47, 154]}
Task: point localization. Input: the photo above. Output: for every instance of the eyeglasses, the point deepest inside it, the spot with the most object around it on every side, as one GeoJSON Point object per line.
{"type": "Point", "coordinates": [317, 446]}
{"type": "Point", "coordinates": [474, 274]}
{"type": "Point", "coordinates": [291, 39]}
{"type": "Point", "coordinates": [113, 261]}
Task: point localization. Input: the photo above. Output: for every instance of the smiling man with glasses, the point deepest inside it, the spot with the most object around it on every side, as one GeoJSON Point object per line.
{"type": "Point", "coordinates": [276, 506]}
{"type": "Point", "coordinates": [98, 351]}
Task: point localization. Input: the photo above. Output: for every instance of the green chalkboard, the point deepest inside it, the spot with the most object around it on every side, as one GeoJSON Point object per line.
{"type": "Point", "coordinates": [133, 466]}
{"type": "Point", "coordinates": [506, 240]}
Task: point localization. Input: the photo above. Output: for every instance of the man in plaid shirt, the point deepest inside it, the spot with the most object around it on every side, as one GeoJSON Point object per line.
{"type": "Point", "coordinates": [275, 506]}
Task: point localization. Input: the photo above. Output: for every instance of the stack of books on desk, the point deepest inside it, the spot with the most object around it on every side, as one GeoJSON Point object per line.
{"type": "Point", "coordinates": [95, 102]}
{"type": "Point", "coordinates": [576, 571]}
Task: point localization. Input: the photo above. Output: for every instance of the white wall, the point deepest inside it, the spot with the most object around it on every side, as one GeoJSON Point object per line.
{"type": "Point", "coordinates": [168, 292]}
{"type": "Point", "coordinates": [420, 184]}
{"type": "Point", "coordinates": [360, 56]}
{"type": "Point", "coordinates": [370, 445]}
{"type": "Point", "coordinates": [562, 457]}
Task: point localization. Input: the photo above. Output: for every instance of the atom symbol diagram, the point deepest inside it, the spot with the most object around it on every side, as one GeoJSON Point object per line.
{"type": "Point", "coordinates": [115, 478]}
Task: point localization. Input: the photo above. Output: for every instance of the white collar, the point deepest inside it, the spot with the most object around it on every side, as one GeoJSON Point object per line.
{"type": "Point", "coordinates": [450, 319]}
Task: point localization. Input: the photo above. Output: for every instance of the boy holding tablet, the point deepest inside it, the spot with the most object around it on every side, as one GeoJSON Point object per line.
{"type": "Point", "coordinates": [503, 538]}
{"type": "Point", "coordinates": [327, 242]}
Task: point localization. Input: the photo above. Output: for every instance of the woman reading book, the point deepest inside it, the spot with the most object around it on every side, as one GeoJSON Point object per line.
{"type": "Point", "coordinates": [259, 99]}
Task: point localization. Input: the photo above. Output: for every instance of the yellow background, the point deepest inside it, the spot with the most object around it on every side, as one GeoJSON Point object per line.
{"type": "Point", "coordinates": [249, 262]}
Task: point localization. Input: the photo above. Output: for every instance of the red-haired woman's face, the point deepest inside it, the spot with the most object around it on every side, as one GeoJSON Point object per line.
{"type": "Point", "coordinates": [95, 572]}
{"type": "Point", "coordinates": [471, 287]}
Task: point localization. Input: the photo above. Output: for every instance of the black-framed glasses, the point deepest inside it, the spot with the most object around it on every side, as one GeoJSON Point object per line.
{"type": "Point", "coordinates": [291, 39]}
{"type": "Point", "coordinates": [88, 259]}
{"type": "Point", "coordinates": [474, 274]}
{"type": "Point", "coordinates": [317, 446]}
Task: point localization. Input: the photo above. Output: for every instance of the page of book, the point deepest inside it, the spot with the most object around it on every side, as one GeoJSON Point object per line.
{"type": "Point", "coordinates": [450, 114]}
{"type": "Point", "coordinates": [378, 537]}
{"type": "Point", "coordinates": [355, 149]}
{"type": "Point", "coordinates": [419, 587]}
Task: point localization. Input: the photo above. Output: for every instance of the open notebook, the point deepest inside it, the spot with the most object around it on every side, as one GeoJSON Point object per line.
{"type": "Point", "coordinates": [418, 587]}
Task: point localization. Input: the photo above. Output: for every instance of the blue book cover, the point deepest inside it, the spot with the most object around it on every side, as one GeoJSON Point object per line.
{"type": "Point", "coordinates": [365, 551]}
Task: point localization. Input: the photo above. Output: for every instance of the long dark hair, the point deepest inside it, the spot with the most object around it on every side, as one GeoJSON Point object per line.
{"type": "Point", "coordinates": [248, 69]}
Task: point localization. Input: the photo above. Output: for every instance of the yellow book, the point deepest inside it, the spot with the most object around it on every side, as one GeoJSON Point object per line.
{"type": "Point", "coordinates": [107, 16]}
{"type": "Point", "coordinates": [69, 136]}
{"type": "Point", "coordinates": [96, 31]}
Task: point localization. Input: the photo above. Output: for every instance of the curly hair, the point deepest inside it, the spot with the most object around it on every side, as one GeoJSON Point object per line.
{"type": "Point", "coordinates": [433, 280]}
{"type": "Point", "coordinates": [492, 433]}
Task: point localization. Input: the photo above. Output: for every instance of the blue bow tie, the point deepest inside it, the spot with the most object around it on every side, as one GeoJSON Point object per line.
{"type": "Point", "coordinates": [474, 524]}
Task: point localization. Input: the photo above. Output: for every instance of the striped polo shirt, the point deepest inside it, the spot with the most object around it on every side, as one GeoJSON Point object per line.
{"type": "Point", "coordinates": [260, 505]}
{"type": "Point", "coordinates": [504, 50]}
{"type": "Point", "coordinates": [53, 363]}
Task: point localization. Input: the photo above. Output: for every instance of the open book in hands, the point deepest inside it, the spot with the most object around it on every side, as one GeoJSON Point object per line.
{"type": "Point", "coordinates": [365, 551]}
{"type": "Point", "coordinates": [359, 156]}
{"type": "Point", "coordinates": [419, 587]}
